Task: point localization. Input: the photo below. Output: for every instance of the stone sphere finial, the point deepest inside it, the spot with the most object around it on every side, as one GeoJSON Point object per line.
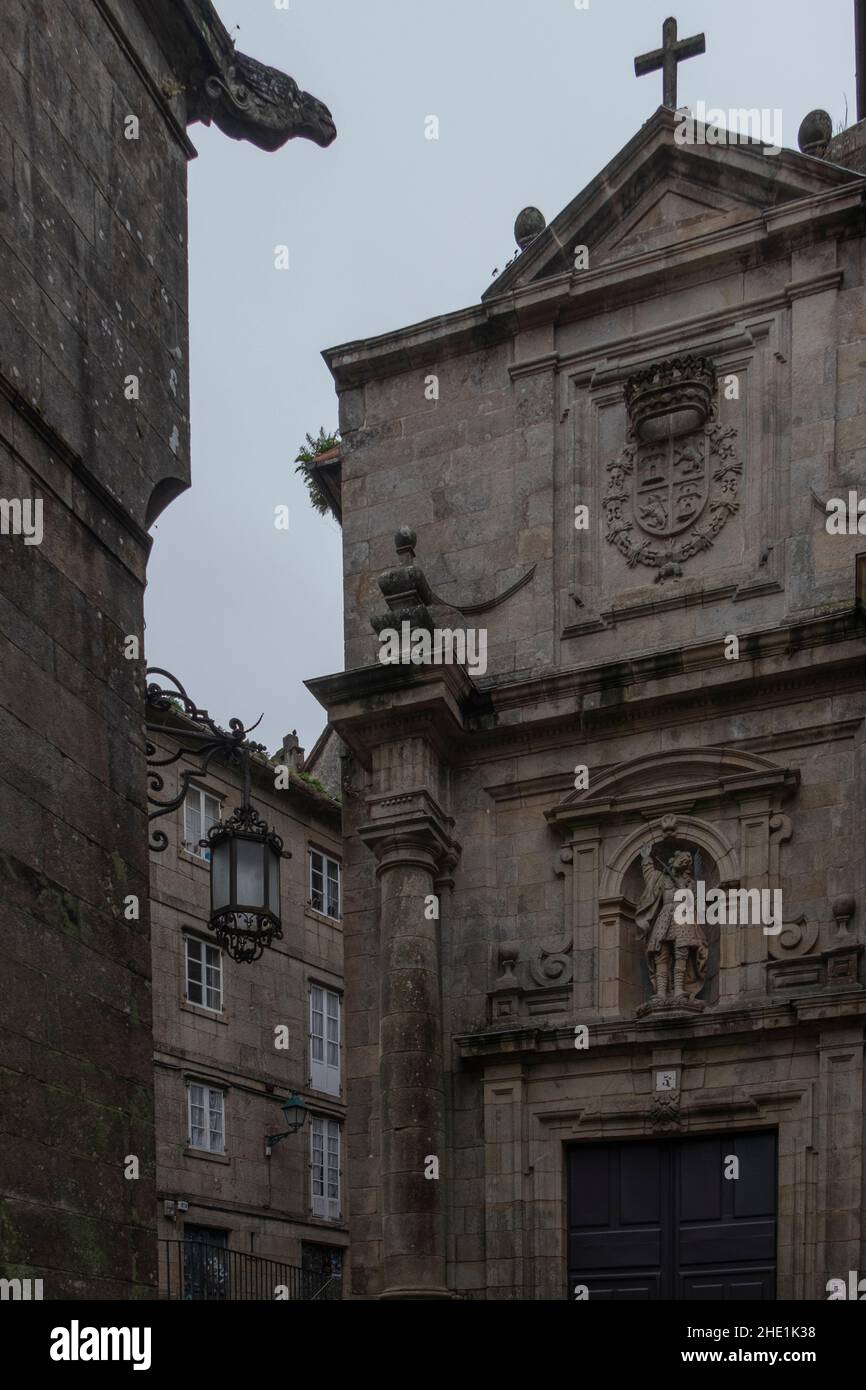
{"type": "Point", "coordinates": [843, 909]}
{"type": "Point", "coordinates": [509, 954]}
{"type": "Point", "coordinates": [530, 224]}
{"type": "Point", "coordinates": [815, 133]}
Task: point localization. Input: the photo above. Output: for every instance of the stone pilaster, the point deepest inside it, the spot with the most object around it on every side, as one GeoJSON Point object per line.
{"type": "Point", "coordinates": [411, 839]}
{"type": "Point", "coordinates": [404, 725]}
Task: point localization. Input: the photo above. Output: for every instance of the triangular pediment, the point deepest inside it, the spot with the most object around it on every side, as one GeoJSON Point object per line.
{"type": "Point", "coordinates": [659, 192]}
{"type": "Point", "coordinates": [670, 212]}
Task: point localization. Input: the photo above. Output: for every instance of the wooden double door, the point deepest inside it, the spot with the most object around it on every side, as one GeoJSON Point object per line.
{"type": "Point", "coordinates": [661, 1220]}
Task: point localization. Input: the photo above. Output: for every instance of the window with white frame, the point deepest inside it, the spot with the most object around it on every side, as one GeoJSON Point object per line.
{"type": "Point", "coordinates": [206, 1118]}
{"type": "Point", "coordinates": [200, 812]}
{"type": "Point", "coordinates": [325, 884]}
{"type": "Point", "coordinates": [325, 1167]}
{"type": "Point", "coordinates": [324, 1040]}
{"type": "Point", "coordinates": [204, 974]}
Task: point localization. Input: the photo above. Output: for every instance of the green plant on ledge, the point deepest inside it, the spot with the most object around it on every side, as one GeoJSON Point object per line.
{"type": "Point", "coordinates": [313, 782]}
{"type": "Point", "coordinates": [305, 460]}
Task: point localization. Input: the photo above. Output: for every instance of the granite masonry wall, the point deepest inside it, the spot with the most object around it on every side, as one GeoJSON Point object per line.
{"type": "Point", "coordinates": [94, 289]}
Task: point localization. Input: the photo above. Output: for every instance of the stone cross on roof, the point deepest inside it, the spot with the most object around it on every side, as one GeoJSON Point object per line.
{"type": "Point", "coordinates": [668, 58]}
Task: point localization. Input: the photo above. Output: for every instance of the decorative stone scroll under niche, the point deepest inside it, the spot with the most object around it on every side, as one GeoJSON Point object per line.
{"type": "Point", "coordinates": [796, 964]}
{"type": "Point", "coordinates": [537, 984]}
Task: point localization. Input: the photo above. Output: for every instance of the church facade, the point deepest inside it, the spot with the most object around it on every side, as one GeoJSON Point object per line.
{"type": "Point", "coordinates": [613, 479]}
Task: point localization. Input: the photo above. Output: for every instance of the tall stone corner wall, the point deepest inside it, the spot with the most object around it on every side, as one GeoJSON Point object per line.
{"type": "Point", "coordinates": [92, 295]}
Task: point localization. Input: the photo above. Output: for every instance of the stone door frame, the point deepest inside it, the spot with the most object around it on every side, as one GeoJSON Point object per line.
{"type": "Point", "coordinates": [819, 1191]}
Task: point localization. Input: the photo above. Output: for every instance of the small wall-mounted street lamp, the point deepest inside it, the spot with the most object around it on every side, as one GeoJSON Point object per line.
{"type": "Point", "coordinates": [245, 853]}
{"type": "Point", "coordinates": [295, 1111]}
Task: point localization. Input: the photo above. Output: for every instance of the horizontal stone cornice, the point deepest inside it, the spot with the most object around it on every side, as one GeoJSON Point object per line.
{"type": "Point", "coordinates": [465, 723]}
{"type": "Point", "coordinates": [716, 1026]}
{"type": "Point", "coordinates": [573, 295]}
{"type": "Point", "coordinates": [693, 1109]}
{"type": "Point", "coordinates": [807, 650]}
{"type": "Point", "coordinates": [718, 332]}
{"type": "Point", "coordinates": [168, 97]}
{"type": "Point", "coordinates": [380, 704]}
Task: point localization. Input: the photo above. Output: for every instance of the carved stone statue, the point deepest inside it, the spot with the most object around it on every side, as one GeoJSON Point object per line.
{"type": "Point", "coordinates": [677, 951]}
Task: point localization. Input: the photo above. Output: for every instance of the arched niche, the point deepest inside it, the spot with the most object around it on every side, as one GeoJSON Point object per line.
{"type": "Point", "coordinates": [724, 801]}
{"type": "Point", "coordinates": [624, 977]}
{"type": "Point", "coordinates": [713, 864]}
{"type": "Point", "coordinates": [705, 836]}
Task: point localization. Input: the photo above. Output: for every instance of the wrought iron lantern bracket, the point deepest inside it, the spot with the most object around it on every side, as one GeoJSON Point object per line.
{"type": "Point", "coordinates": [245, 852]}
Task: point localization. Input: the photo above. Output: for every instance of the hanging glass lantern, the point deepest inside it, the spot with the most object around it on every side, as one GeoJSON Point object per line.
{"type": "Point", "coordinates": [245, 883]}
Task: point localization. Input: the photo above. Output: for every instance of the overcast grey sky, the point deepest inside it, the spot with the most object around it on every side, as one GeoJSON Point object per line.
{"type": "Point", "coordinates": [384, 229]}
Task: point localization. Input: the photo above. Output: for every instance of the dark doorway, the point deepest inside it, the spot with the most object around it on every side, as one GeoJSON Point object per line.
{"type": "Point", "coordinates": [660, 1219]}
{"type": "Point", "coordinates": [322, 1267]}
{"type": "Point", "coordinates": [205, 1263]}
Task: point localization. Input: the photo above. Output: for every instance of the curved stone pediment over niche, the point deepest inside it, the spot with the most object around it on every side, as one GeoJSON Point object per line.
{"type": "Point", "coordinates": [682, 777]}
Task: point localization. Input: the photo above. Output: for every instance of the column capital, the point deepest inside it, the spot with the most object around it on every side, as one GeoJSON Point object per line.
{"type": "Point", "coordinates": [410, 828]}
{"type": "Point", "coordinates": [376, 705]}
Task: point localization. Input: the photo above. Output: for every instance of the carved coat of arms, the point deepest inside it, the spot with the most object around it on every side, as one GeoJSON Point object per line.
{"type": "Point", "coordinates": [668, 498]}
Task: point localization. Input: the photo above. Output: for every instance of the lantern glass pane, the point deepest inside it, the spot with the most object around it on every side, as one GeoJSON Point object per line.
{"type": "Point", "coordinates": [274, 882]}
{"type": "Point", "coordinates": [251, 873]}
{"type": "Point", "coordinates": [219, 875]}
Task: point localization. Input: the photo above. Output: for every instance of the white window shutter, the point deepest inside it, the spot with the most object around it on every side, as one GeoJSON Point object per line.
{"type": "Point", "coordinates": [332, 1161]}
{"type": "Point", "coordinates": [192, 818]}
{"type": "Point", "coordinates": [332, 1052]}
{"type": "Point", "coordinates": [318, 1166]}
{"type": "Point", "coordinates": [318, 1050]}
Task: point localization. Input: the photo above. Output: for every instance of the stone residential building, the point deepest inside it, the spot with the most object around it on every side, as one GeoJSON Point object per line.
{"type": "Point", "coordinates": [95, 100]}
{"type": "Point", "coordinates": [232, 1041]}
{"type": "Point", "coordinates": [616, 468]}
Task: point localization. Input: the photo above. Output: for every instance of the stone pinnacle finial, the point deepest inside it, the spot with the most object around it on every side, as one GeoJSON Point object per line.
{"type": "Point", "coordinates": [406, 589]}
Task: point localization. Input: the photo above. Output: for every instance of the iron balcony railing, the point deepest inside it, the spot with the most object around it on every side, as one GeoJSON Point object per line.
{"type": "Point", "coordinates": [191, 1270]}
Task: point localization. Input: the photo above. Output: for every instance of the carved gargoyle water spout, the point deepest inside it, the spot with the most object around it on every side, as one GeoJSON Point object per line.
{"type": "Point", "coordinates": [261, 104]}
